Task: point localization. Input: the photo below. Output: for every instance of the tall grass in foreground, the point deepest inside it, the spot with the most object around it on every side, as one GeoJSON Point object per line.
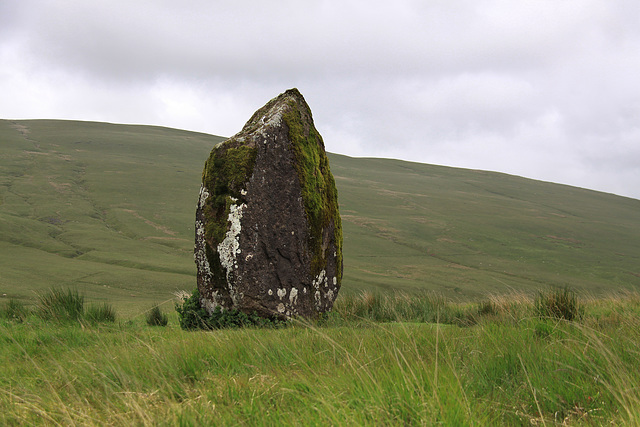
{"type": "Point", "coordinates": [100, 313]}
{"type": "Point", "coordinates": [428, 307]}
{"type": "Point", "coordinates": [423, 307]}
{"type": "Point", "coordinates": [502, 370]}
{"type": "Point", "coordinates": [58, 305]}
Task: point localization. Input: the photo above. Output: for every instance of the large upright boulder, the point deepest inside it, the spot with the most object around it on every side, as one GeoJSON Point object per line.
{"type": "Point", "coordinates": [268, 229]}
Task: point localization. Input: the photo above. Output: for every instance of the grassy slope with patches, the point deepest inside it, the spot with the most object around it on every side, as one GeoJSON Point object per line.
{"type": "Point", "coordinates": [109, 209]}
{"type": "Point", "coordinates": [467, 232]}
{"type": "Point", "coordinates": [105, 208]}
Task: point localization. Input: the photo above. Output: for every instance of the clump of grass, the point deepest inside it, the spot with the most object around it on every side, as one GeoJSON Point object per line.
{"type": "Point", "coordinates": [155, 317]}
{"type": "Point", "coordinates": [60, 305]}
{"type": "Point", "coordinates": [509, 308]}
{"type": "Point", "coordinates": [558, 304]}
{"type": "Point", "coordinates": [366, 305]}
{"type": "Point", "coordinates": [15, 310]}
{"type": "Point", "coordinates": [100, 313]}
{"type": "Point", "coordinates": [68, 306]}
{"type": "Point", "coordinates": [487, 308]}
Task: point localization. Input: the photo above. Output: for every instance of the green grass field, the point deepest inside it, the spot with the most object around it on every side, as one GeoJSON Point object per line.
{"type": "Point", "coordinates": [109, 210]}
{"type": "Point", "coordinates": [504, 366]}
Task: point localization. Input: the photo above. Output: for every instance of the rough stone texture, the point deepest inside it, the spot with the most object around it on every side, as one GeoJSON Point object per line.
{"type": "Point", "coordinates": [268, 230]}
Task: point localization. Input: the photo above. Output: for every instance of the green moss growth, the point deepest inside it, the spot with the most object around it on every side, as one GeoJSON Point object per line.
{"type": "Point", "coordinates": [319, 191]}
{"type": "Point", "coordinates": [225, 174]}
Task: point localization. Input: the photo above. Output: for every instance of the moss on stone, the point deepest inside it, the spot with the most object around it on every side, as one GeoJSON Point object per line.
{"type": "Point", "coordinates": [319, 191]}
{"type": "Point", "coordinates": [225, 175]}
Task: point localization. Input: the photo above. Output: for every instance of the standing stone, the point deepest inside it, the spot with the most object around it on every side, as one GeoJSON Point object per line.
{"type": "Point", "coordinates": [268, 229]}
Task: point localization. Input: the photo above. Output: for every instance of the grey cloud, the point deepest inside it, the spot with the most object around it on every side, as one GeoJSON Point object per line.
{"type": "Point", "coordinates": [258, 38]}
{"type": "Point", "coordinates": [545, 89]}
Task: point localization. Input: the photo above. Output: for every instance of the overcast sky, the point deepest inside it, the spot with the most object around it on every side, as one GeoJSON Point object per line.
{"type": "Point", "coordinates": [547, 89]}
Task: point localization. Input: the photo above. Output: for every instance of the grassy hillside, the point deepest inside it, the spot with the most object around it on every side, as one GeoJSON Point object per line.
{"type": "Point", "coordinates": [468, 232]}
{"type": "Point", "coordinates": [109, 210]}
{"type": "Point", "coordinates": [105, 208]}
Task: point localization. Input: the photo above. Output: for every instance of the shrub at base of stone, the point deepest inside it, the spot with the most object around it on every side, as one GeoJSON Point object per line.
{"type": "Point", "coordinates": [192, 316]}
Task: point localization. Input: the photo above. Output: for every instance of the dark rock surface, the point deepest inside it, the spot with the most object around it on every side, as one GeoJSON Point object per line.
{"type": "Point", "coordinates": [268, 229]}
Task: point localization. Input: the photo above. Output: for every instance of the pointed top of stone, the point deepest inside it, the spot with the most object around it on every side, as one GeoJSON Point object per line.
{"type": "Point", "coordinates": [272, 113]}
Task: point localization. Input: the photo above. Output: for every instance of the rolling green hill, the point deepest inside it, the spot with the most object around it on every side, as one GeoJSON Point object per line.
{"type": "Point", "coordinates": [109, 209]}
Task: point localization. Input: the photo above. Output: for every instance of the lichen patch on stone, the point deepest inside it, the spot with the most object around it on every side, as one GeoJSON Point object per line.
{"type": "Point", "coordinates": [229, 248]}
{"type": "Point", "coordinates": [200, 253]}
{"type": "Point", "coordinates": [320, 279]}
{"type": "Point", "coordinates": [210, 304]}
{"type": "Point", "coordinates": [293, 296]}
